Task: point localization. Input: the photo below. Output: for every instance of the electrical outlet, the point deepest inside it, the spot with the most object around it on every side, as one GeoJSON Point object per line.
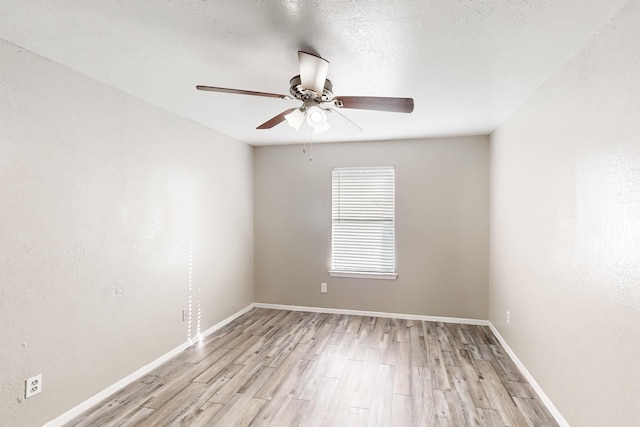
{"type": "Point", "coordinates": [323, 288]}
{"type": "Point", "coordinates": [184, 315]}
{"type": "Point", "coordinates": [32, 386]}
{"type": "Point", "coordinates": [508, 316]}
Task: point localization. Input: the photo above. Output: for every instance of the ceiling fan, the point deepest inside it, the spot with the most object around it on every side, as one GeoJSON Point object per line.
{"type": "Point", "coordinates": [313, 88]}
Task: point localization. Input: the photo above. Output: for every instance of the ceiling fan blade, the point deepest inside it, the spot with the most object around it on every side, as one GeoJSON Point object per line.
{"type": "Point", "coordinates": [276, 120]}
{"type": "Point", "coordinates": [313, 71]}
{"type": "Point", "coordinates": [397, 105]}
{"type": "Point", "coordinates": [241, 92]}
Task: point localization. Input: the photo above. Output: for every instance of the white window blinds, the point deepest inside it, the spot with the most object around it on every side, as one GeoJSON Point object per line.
{"type": "Point", "coordinates": [362, 226]}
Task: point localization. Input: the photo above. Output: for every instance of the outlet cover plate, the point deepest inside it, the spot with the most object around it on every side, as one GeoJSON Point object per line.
{"type": "Point", "coordinates": [32, 386]}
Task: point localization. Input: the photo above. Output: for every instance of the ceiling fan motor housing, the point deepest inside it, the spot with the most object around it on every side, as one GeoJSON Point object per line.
{"type": "Point", "coordinates": [299, 92]}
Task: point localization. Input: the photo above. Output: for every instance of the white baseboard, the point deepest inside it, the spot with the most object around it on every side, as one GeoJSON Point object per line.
{"type": "Point", "coordinates": [373, 313]}
{"type": "Point", "coordinates": [79, 409]}
{"type": "Point", "coordinates": [541, 394]}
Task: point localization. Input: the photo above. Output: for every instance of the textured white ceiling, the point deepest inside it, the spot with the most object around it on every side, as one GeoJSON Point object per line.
{"type": "Point", "coordinates": [467, 63]}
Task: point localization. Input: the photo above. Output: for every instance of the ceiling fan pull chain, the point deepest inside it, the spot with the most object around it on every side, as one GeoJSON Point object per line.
{"type": "Point", "coordinates": [306, 150]}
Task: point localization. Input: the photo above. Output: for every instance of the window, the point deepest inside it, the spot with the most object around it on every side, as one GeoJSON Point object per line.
{"type": "Point", "coordinates": [362, 223]}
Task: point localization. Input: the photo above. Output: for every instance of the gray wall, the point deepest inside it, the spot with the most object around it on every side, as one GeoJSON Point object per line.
{"type": "Point", "coordinates": [565, 230]}
{"type": "Point", "coordinates": [102, 198]}
{"type": "Point", "coordinates": [442, 197]}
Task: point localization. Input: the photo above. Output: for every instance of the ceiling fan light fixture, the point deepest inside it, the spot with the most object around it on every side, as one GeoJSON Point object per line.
{"type": "Point", "coordinates": [321, 129]}
{"type": "Point", "coordinates": [317, 119]}
{"type": "Point", "coordinates": [315, 116]}
{"type": "Point", "coordinates": [295, 118]}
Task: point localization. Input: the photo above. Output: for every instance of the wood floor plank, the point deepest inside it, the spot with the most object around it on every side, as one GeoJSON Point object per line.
{"type": "Point", "coordinates": [181, 409]}
{"type": "Point", "coordinates": [458, 411]}
{"type": "Point", "coordinates": [401, 411]}
{"type": "Point", "coordinates": [278, 368]}
{"type": "Point", "coordinates": [339, 406]}
{"type": "Point", "coordinates": [167, 391]}
{"type": "Point", "coordinates": [226, 358]}
{"type": "Point", "coordinates": [419, 355]}
{"type": "Point", "coordinates": [466, 337]}
{"type": "Point", "coordinates": [520, 389]}
{"type": "Point", "coordinates": [429, 329]}
{"type": "Point", "coordinates": [320, 339]}
{"type": "Point", "coordinates": [294, 358]}
{"type": "Point", "coordinates": [442, 417]}
{"type": "Point", "coordinates": [168, 369]}
{"type": "Point", "coordinates": [255, 351]}
{"type": "Point", "coordinates": [472, 377]}
{"type": "Point", "coordinates": [450, 358]}
{"type": "Point", "coordinates": [354, 324]}
{"type": "Point", "coordinates": [507, 368]}
{"type": "Point", "coordinates": [119, 406]}
{"type": "Point", "coordinates": [342, 322]}
{"type": "Point", "coordinates": [264, 318]}
{"type": "Point", "coordinates": [292, 413]}
{"type": "Point", "coordinates": [422, 396]}
{"type": "Point", "coordinates": [136, 418]}
{"type": "Point", "coordinates": [282, 393]}
{"type": "Point", "coordinates": [361, 343]}
{"type": "Point", "coordinates": [307, 384]}
{"type": "Point", "coordinates": [442, 333]}
{"type": "Point", "coordinates": [377, 335]}
{"type": "Point", "coordinates": [439, 378]}
{"type": "Point", "coordinates": [454, 335]}
{"type": "Point", "coordinates": [534, 413]}
{"type": "Point", "coordinates": [389, 348]}
{"type": "Point", "coordinates": [362, 396]}
{"type": "Point", "coordinates": [296, 330]}
{"type": "Point", "coordinates": [320, 399]}
{"type": "Point", "coordinates": [314, 326]}
{"type": "Point", "coordinates": [499, 396]}
{"type": "Point", "coordinates": [380, 415]}
{"type": "Point", "coordinates": [403, 327]}
{"type": "Point", "coordinates": [337, 355]}
{"type": "Point", "coordinates": [207, 412]}
{"type": "Point", "coordinates": [402, 373]}
{"type": "Point", "coordinates": [490, 417]}
{"type": "Point", "coordinates": [464, 404]}
{"type": "Point", "coordinates": [241, 410]}
{"type": "Point", "coordinates": [356, 417]}
{"type": "Point", "coordinates": [271, 324]}
{"type": "Point", "coordinates": [244, 377]}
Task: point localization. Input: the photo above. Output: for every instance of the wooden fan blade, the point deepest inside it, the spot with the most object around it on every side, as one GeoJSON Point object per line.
{"type": "Point", "coordinates": [397, 105]}
{"type": "Point", "coordinates": [313, 71]}
{"type": "Point", "coordinates": [276, 120]}
{"type": "Point", "coordinates": [241, 92]}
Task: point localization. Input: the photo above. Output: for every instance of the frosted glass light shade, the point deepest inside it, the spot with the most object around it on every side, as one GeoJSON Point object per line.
{"type": "Point", "coordinates": [295, 118]}
{"type": "Point", "coordinates": [317, 119]}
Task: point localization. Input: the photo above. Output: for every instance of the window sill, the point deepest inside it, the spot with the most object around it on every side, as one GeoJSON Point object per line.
{"type": "Point", "coordinates": [381, 276]}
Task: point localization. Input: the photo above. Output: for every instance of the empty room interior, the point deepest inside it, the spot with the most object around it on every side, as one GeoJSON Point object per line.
{"type": "Point", "coordinates": [392, 213]}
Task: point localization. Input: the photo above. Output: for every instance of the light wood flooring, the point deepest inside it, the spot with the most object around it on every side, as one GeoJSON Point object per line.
{"type": "Point", "coordinates": [284, 368]}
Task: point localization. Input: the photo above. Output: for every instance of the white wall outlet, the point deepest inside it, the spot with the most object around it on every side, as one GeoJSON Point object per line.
{"type": "Point", "coordinates": [32, 386]}
{"type": "Point", "coordinates": [323, 288]}
{"type": "Point", "coordinates": [508, 316]}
